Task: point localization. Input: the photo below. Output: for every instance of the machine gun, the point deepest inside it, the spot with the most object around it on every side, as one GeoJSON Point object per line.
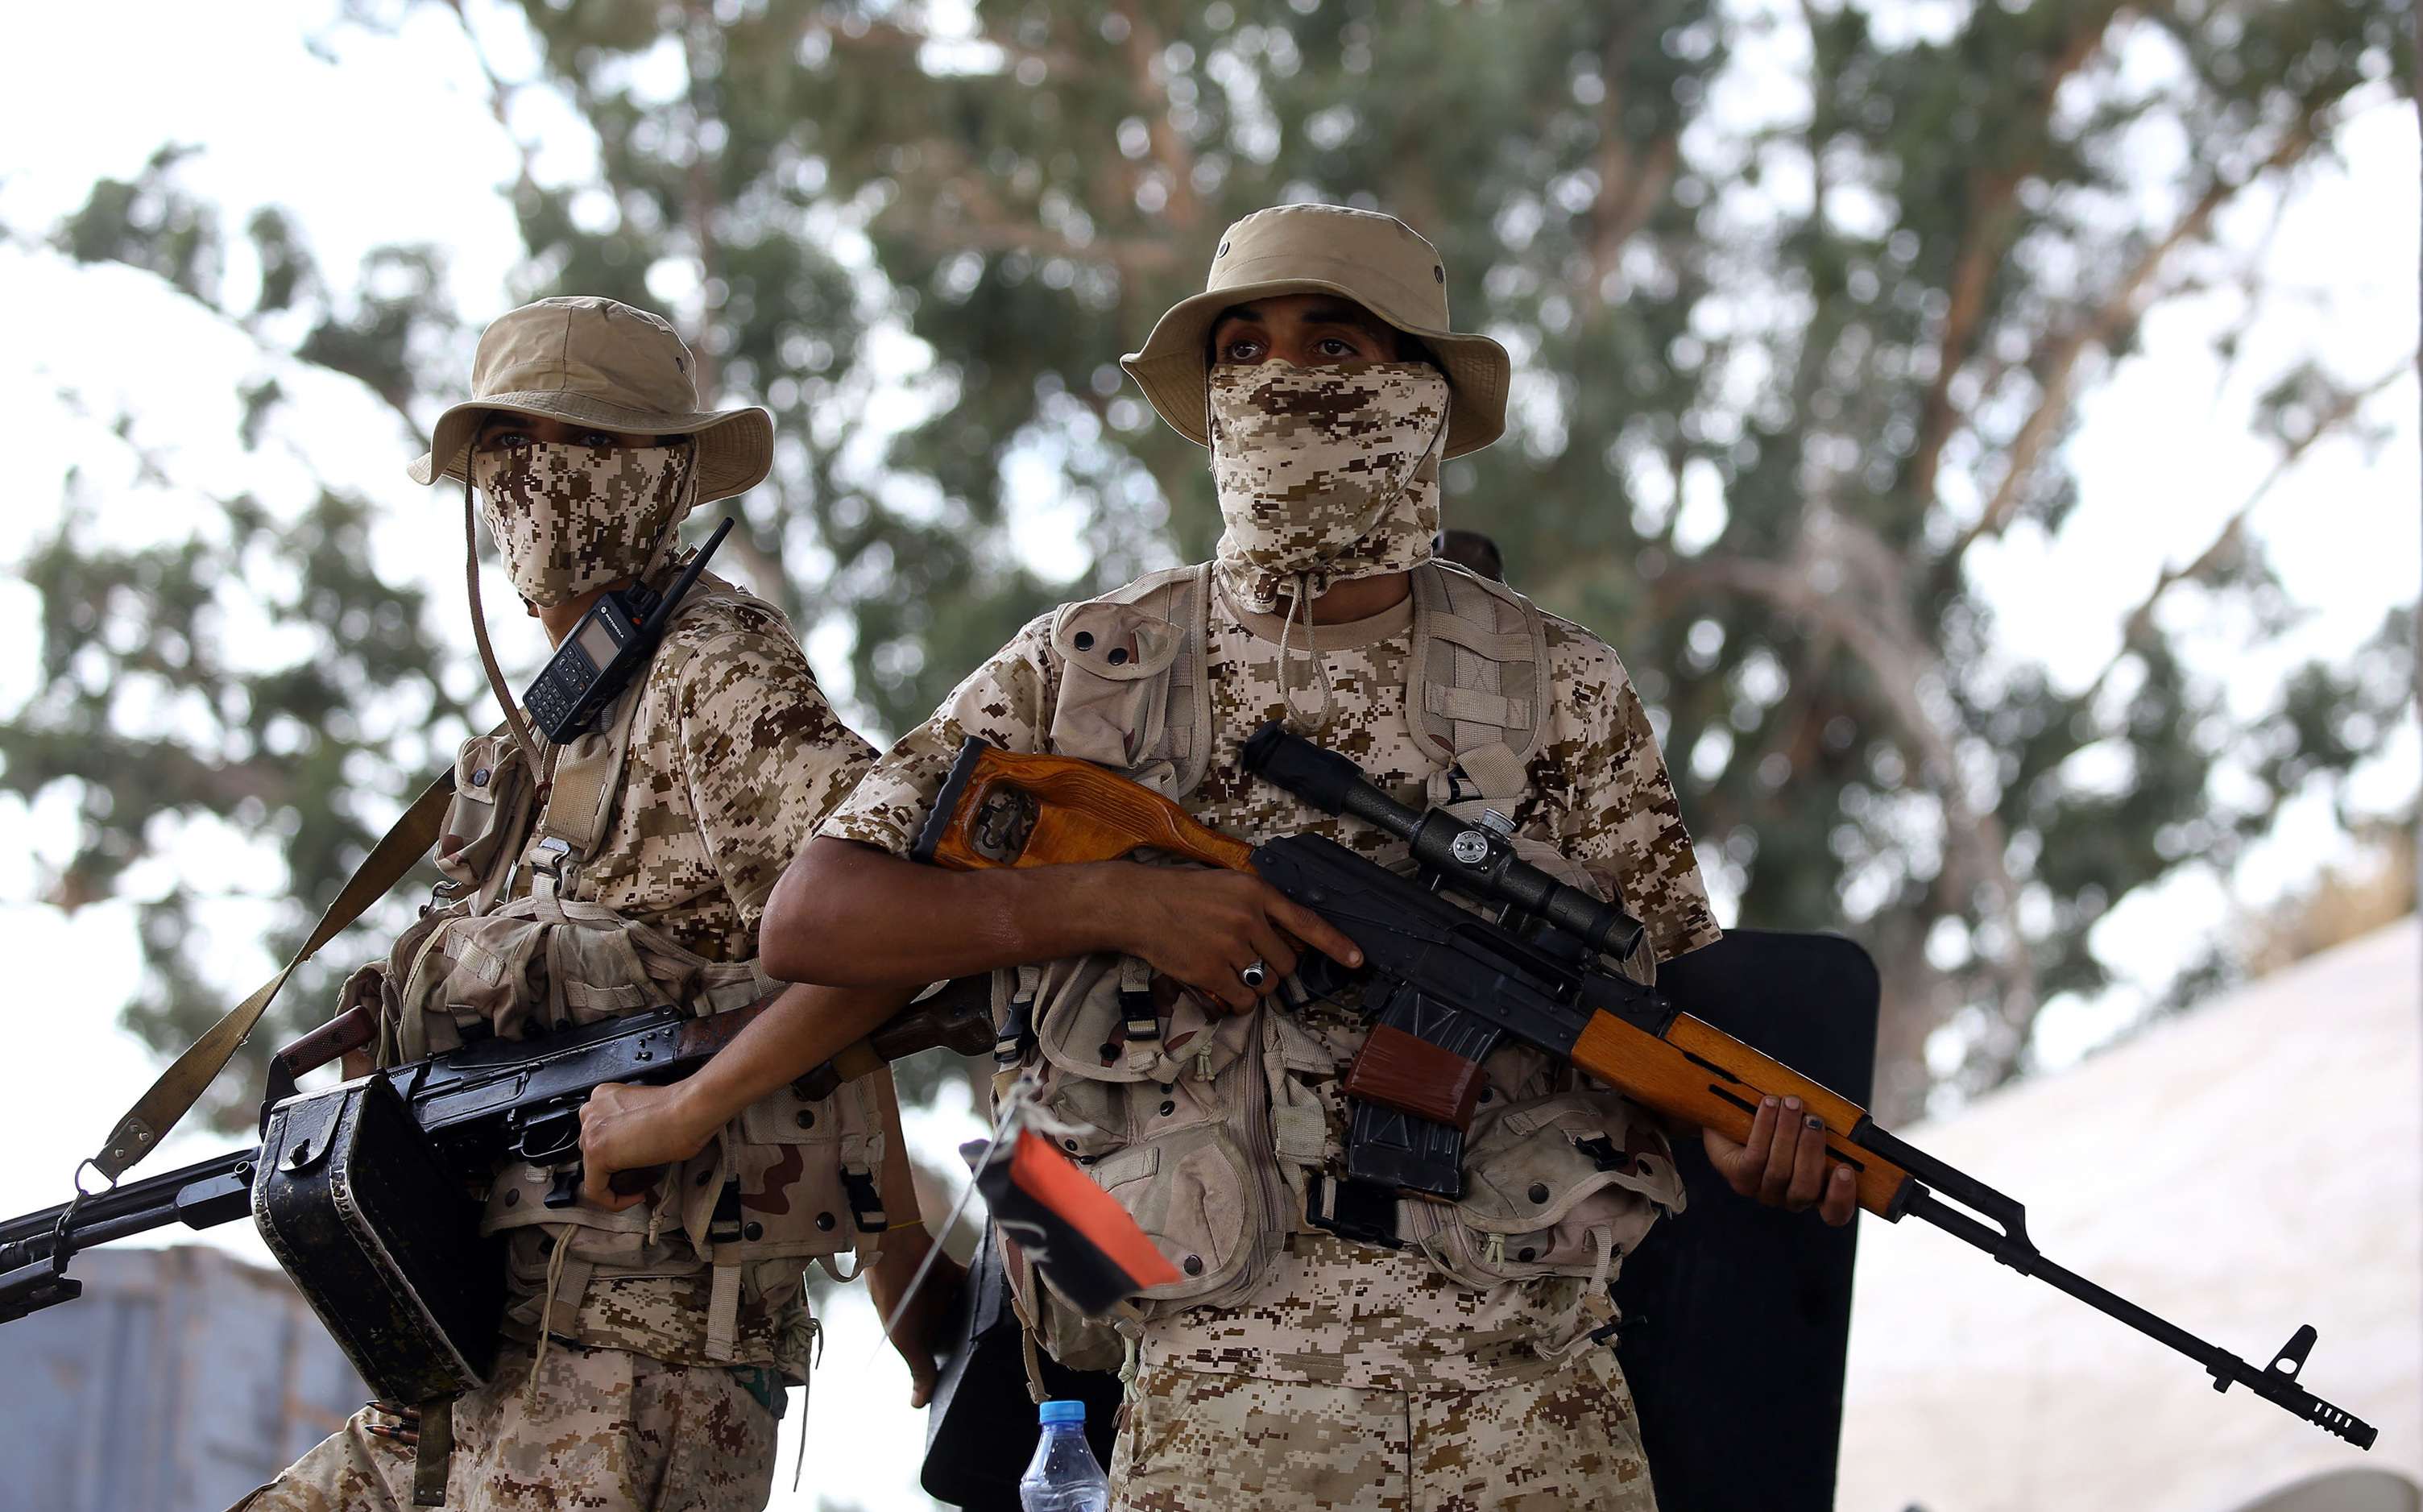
{"type": "Point", "coordinates": [1447, 983]}
{"type": "Point", "coordinates": [365, 1190]}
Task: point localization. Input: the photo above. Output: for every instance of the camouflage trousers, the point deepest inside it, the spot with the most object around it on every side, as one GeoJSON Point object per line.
{"type": "Point", "coordinates": [1194, 1442]}
{"type": "Point", "coordinates": [611, 1432]}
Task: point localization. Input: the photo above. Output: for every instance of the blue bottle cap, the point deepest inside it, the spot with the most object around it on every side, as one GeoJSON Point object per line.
{"type": "Point", "coordinates": [1063, 1413]}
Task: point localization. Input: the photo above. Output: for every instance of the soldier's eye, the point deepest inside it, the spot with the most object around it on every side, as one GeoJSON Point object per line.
{"type": "Point", "coordinates": [599, 439]}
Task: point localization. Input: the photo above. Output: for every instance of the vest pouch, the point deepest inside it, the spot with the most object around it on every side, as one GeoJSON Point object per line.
{"type": "Point", "coordinates": [538, 965]}
{"type": "Point", "coordinates": [1169, 1141]}
{"type": "Point", "coordinates": [1563, 1185]}
{"type": "Point", "coordinates": [1192, 1192]}
{"type": "Point", "coordinates": [379, 986]}
{"type": "Point", "coordinates": [1068, 1335]}
{"type": "Point", "coordinates": [1115, 670]}
{"type": "Point", "coordinates": [492, 798]}
{"type": "Point", "coordinates": [571, 1250]}
{"type": "Point", "coordinates": [1081, 1024]}
{"type": "Point", "coordinates": [790, 1159]}
{"type": "Point", "coordinates": [517, 1200]}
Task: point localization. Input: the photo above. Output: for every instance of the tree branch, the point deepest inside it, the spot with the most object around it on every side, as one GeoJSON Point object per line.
{"type": "Point", "coordinates": [1630, 183]}
{"type": "Point", "coordinates": [1865, 610]}
{"type": "Point", "coordinates": [1981, 255]}
{"type": "Point", "coordinates": [2058, 359]}
{"type": "Point", "coordinates": [1169, 148]}
{"type": "Point", "coordinates": [2140, 620]}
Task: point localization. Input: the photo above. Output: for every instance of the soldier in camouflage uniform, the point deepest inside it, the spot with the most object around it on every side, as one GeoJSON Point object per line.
{"type": "Point", "coordinates": [647, 1353]}
{"type": "Point", "coordinates": [1427, 1355]}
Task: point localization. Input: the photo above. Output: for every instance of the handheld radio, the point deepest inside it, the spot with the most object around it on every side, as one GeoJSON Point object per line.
{"type": "Point", "coordinates": [612, 642]}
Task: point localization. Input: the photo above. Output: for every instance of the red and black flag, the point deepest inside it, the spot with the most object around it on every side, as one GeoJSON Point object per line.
{"type": "Point", "coordinates": [1071, 1229]}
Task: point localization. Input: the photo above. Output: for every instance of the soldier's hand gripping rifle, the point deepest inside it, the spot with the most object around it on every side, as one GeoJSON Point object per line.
{"type": "Point", "coordinates": [1446, 985]}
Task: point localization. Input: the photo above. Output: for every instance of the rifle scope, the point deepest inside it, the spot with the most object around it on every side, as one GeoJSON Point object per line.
{"type": "Point", "coordinates": [1475, 859]}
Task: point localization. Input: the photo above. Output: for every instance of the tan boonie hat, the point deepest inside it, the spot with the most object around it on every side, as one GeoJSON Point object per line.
{"type": "Point", "coordinates": [592, 361]}
{"type": "Point", "coordinates": [1376, 261]}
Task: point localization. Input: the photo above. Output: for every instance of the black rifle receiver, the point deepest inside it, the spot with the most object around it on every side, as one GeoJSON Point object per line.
{"type": "Point", "coordinates": [610, 645]}
{"type": "Point", "coordinates": [1477, 860]}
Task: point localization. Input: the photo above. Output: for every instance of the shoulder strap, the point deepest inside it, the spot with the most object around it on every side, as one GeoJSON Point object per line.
{"type": "Point", "coordinates": [1189, 719]}
{"type": "Point", "coordinates": [1477, 686]}
{"type": "Point", "coordinates": [588, 775]}
{"type": "Point", "coordinates": [582, 791]}
{"type": "Point", "coordinates": [182, 1084]}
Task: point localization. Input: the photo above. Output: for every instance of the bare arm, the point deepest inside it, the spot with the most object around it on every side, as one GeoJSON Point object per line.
{"type": "Point", "coordinates": [631, 1128]}
{"type": "Point", "coordinates": [854, 916]}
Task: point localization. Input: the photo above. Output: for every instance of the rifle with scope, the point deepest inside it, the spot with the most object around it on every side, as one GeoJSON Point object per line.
{"type": "Point", "coordinates": [1443, 984]}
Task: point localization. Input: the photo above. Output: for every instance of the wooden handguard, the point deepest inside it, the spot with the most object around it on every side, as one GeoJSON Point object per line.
{"type": "Point", "coordinates": [1704, 1076]}
{"type": "Point", "coordinates": [1002, 809]}
{"type": "Point", "coordinates": [349, 1030]}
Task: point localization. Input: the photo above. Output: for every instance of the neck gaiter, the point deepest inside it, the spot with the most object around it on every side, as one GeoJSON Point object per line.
{"type": "Point", "coordinates": [1324, 474]}
{"type": "Point", "coordinates": [567, 518]}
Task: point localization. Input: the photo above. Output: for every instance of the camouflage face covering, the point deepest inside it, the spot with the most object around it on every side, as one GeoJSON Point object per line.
{"type": "Point", "coordinates": [569, 518]}
{"type": "Point", "coordinates": [1326, 474]}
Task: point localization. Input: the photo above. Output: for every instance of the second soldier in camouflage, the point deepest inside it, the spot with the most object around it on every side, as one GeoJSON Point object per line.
{"type": "Point", "coordinates": [647, 1353]}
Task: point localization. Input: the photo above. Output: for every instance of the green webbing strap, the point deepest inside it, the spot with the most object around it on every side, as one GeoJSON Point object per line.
{"type": "Point", "coordinates": [182, 1084]}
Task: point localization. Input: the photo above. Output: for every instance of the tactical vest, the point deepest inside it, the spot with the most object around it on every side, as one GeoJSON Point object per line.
{"type": "Point", "coordinates": [520, 947]}
{"type": "Point", "coordinates": [1204, 1127]}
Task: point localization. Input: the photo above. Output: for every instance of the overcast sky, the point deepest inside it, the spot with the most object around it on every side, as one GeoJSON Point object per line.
{"type": "Point", "coordinates": [374, 140]}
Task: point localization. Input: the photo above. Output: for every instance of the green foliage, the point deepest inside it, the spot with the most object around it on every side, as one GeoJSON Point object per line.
{"type": "Point", "coordinates": [149, 223]}
{"type": "Point", "coordinates": [1792, 340]}
{"type": "Point", "coordinates": [159, 716]}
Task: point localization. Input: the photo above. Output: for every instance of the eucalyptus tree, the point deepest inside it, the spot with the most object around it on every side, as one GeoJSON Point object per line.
{"type": "Point", "coordinates": [1802, 303]}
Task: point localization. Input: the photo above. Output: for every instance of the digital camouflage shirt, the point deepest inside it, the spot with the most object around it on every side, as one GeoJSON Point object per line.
{"type": "Point", "coordinates": [735, 758]}
{"type": "Point", "coordinates": [1598, 792]}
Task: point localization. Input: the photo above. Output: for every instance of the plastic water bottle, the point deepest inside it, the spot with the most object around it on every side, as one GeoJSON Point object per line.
{"type": "Point", "coordinates": [1063, 1476]}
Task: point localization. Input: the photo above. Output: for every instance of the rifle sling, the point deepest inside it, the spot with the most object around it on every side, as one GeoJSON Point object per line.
{"type": "Point", "coordinates": [183, 1084]}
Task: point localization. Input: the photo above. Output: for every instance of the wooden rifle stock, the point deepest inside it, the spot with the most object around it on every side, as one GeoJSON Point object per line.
{"type": "Point", "coordinates": [1002, 809]}
{"type": "Point", "coordinates": [999, 809]}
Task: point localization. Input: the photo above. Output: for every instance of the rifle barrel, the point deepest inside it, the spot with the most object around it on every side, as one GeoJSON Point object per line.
{"type": "Point", "coordinates": [2275, 1384]}
{"type": "Point", "coordinates": [131, 1208]}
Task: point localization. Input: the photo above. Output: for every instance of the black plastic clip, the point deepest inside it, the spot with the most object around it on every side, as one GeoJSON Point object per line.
{"type": "Point", "coordinates": [1016, 1032]}
{"type": "Point", "coordinates": [865, 1203]}
{"type": "Point", "coordinates": [1143, 1024]}
{"type": "Point", "coordinates": [1353, 1210]}
{"type": "Point", "coordinates": [723, 1225]}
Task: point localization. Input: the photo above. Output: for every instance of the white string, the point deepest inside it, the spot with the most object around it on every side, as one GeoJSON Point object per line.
{"type": "Point", "coordinates": [1012, 1103]}
{"type": "Point", "coordinates": [1302, 602]}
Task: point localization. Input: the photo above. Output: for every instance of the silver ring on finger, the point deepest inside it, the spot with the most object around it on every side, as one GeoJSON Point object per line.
{"type": "Point", "coordinates": [1254, 973]}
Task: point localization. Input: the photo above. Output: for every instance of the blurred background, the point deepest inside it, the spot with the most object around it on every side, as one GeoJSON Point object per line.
{"type": "Point", "coordinates": [1987, 432]}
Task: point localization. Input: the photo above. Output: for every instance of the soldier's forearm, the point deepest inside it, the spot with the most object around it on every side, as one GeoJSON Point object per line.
{"type": "Point", "coordinates": [852, 915]}
{"type": "Point", "coordinates": [801, 1030]}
